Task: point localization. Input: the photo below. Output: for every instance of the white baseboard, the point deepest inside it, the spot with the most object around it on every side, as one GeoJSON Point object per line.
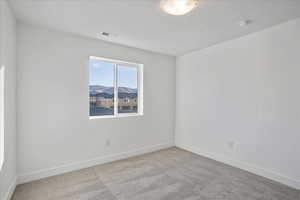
{"type": "Point", "coordinates": [245, 166]}
{"type": "Point", "coordinates": [24, 178]}
{"type": "Point", "coordinates": [11, 189]}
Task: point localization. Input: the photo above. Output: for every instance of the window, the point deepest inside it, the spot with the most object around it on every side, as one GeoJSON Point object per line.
{"type": "Point", "coordinates": [1, 116]}
{"type": "Point", "coordinates": [115, 88]}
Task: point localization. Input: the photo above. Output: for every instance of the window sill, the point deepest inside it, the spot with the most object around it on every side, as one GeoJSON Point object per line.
{"type": "Point", "coordinates": [115, 116]}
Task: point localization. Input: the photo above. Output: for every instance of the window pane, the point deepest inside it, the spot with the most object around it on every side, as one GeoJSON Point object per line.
{"type": "Point", "coordinates": [101, 88]}
{"type": "Point", "coordinates": [127, 89]}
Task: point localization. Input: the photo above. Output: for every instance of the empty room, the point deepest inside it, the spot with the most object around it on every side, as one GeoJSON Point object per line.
{"type": "Point", "coordinates": [149, 100]}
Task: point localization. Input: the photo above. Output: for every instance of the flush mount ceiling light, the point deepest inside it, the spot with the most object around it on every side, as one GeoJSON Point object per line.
{"type": "Point", "coordinates": [178, 7]}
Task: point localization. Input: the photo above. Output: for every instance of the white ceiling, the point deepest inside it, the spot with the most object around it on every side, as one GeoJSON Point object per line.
{"type": "Point", "coordinates": [141, 23]}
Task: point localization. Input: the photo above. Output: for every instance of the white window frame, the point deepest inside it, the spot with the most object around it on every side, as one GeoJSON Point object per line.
{"type": "Point", "coordinates": [2, 115]}
{"type": "Point", "coordinates": [140, 103]}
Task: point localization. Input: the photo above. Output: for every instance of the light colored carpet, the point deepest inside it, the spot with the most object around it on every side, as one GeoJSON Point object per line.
{"type": "Point", "coordinates": [170, 174]}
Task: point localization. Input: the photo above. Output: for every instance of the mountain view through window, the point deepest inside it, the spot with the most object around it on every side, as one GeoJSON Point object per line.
{"type": "Point", "coordinates": [127, 89]}
{"type": "Point", "coordinates": [109, 80]}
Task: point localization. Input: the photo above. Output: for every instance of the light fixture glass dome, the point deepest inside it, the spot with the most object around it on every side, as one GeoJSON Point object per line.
{"type": "Point", "coordinates": [178, 7]}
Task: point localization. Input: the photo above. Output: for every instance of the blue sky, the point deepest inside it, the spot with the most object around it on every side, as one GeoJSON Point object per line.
{"type": "Point", "coordinates": [102, 73]}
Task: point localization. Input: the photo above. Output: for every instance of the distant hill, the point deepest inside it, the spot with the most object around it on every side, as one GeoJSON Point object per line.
{"type": "Point", "coordinates": [100, 89]}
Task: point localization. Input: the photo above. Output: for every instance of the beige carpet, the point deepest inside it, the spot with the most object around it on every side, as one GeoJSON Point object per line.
{"type": "Point", "coordinates": [171, 174]}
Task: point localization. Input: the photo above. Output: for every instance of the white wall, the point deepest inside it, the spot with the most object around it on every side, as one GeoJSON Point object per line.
{"type": "Point", "coordinates": [53, 125]}
{"type": "Point", "coordinates": [7, 60]}
{"type": "Point", "coordinates": [238, 102]}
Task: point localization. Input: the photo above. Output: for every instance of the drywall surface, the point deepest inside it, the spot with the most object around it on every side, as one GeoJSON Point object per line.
{"type": "Point", "coordinates": [238, 102]}
{"type": "Point", "coordinates": [55, 133]}
{"type": "Point", "coordinates": [7, 61]}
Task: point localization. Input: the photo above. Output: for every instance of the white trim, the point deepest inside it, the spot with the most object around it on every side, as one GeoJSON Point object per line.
{"type": "Point", "coordinates": [141, 89]}
{"type": "Point", "coordinates": [24, 178]}
{"type": "Point", "coordinates": [129, 115]}
{"type": "Point", "coordinates": [275, 176]}
{"type": "Point", "coordinates": [117, 116]}
{"type": "Point", "coordinates": [119, 62]}
{"type": "Point", "coordinates": [2, 115]}
{"type": "Point", "coordinates": [103, 117]}
{"type": "Point", "coordinates": [10, 190]}
{"type": "Point", "coordinates": [116, 100]}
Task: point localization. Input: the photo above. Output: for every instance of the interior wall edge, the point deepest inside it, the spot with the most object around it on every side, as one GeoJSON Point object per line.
{"type": "Point", "coordinates": [237, 38]}
{"type": "Point", "coordinates": [8, 61]}
{"type": "Point", "coordinates": [275, 176]}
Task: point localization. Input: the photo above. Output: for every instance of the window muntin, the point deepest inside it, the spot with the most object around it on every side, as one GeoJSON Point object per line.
{"type": "Point", "coordinates": [115, 88]}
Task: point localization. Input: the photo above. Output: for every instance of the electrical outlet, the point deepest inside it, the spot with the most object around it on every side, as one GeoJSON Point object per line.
{"type": "Point", "coordinates": [231, 145]}
{"type": "Point", "coordinates": [107, 142]}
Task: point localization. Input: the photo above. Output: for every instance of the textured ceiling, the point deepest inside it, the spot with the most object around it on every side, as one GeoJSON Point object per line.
{"type": "Point", "coordinates": [141, 23]}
